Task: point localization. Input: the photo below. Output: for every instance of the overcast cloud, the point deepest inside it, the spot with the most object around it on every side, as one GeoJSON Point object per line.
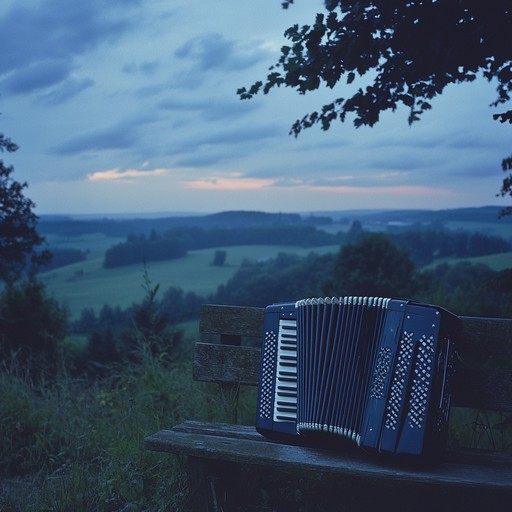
{"type": "Point", "coordinates": [131, 105]}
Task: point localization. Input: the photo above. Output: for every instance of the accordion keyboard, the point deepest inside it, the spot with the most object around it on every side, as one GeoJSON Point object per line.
{"type": "Point", "coordinates": [285, 405]}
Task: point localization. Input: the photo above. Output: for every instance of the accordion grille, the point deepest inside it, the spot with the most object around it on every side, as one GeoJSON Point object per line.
{"type": "Point", "coordinates": [340, 362]}
{"type": "Point", "coordinates": [267, 370]}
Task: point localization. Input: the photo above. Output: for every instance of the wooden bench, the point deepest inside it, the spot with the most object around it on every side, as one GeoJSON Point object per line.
{"type": "Point", "coordinates": [215, 452]}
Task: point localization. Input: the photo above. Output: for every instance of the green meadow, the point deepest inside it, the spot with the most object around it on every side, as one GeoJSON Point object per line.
{"type": "Point", "coordinates": [88, 285]}
{"type": "Point", "coordinates": [495, 261]}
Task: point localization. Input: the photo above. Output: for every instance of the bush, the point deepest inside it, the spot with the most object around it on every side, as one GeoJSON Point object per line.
{"type": "Point", "coordinates": [32, 326]}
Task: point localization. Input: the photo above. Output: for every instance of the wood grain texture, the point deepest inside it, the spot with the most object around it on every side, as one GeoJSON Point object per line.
{"type": "Point", "coordinates": [226, 363]}
{"type": "Point", "coordinates": [243, 445]}
{"type": "Point", "coordinates": [231, 320]}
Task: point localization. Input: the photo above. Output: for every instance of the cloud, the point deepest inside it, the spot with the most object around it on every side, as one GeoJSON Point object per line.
{"type": "Point", "coordinates": [225, 184]}
{"type": "Point", "coordinates": [41, 42]}
{"type": "Point", "coordinates": [117, 137]}
{"type": "Point", "coordinates": [126, 175]}
{"type": "Point", "coordinates": [212, 109]}
{"type": "Point", "coordinates": [147, 68]}
{"type": "Point", "coordinates": [36, 76]}
{"type": "Point", "coordinates": [214, 52]}
{"type": "Point", "coordinates": [66, 90]}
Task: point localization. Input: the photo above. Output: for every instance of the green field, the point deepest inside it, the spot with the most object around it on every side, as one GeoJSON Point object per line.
{"type": "Point", "coordinates": [495, 261]}
{"type": "Point", "coordinates": [88, 285]}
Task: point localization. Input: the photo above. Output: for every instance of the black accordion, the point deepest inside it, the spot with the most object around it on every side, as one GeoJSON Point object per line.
{"type": "Point", "coordinates": [373, 370]}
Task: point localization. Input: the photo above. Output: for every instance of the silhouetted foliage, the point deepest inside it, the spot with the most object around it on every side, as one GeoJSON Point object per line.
{"type": "Point", "coordinates": [137, 251]}
{"type": "Point", "coordinates": [219, 258]}
{"type": "Point", "coordinates": [284, 278]}
{"type": "Point", "coordinates": [63, 257]}
{"type": "Point", "coordinates": [466, 289]}
{"type": "Point", "coordinates": [372, 267]}
{"type": "Point", "coordinates": [18, 234]}
{"type": "Point", "coordinates": [506, 165]}
{"type": "Point", "coordinates": [32, 325]}
{"type": "Point", "coordinates": [426, 246]}
{"type": "Point", "coordinates": [408, 50]}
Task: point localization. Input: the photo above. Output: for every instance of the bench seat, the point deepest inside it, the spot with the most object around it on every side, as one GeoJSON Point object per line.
{"type": "Point", "coordinates": [242, 444]}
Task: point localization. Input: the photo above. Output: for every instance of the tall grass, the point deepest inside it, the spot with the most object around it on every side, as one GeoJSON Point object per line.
{"type": "Point", "coordinates": [75, 445]}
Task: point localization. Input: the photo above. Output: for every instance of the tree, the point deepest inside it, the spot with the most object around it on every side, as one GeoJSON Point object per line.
{"type": "Point", "coordinates": [410, 50]}
{"type": "Point", "coordinates": [373, 267]}
{"type": "Point", "coordinates": [506, 165]}
{"type": "Point", "coordinates": [18, 234]}
{"type": "Point", "coordinates": [219, 258]}
{"type": "Point", "coordinates": [32, 325]}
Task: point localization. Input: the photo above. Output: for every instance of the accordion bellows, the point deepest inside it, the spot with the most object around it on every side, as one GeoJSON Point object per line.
{"type": "Point", "coordinates": [370, 369]}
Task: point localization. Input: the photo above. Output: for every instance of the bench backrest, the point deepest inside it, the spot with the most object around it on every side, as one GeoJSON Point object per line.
{"type": "Point", "coordinates": [483, 379]}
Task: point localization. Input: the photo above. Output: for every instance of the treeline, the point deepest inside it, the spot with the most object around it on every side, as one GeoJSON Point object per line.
{"type": "Point", "coordinates": [137, 250]}
{"type": "Point", "coordinates": [425, 246]}
{"type": "Point", "coordinates": [175, 243]}
{"type": "Point", "coordinates": [114, 334]}
{"type": "Point", "coordinates": [121, 227]}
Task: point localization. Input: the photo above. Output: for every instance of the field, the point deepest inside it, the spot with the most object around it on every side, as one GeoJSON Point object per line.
{"type": "Point", "coordinates": [88, 285]}
{"type": "Point", "coordinates": [495, 261]}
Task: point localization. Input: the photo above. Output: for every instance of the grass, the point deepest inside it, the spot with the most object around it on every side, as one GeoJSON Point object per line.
{"type": "Point", "coordinates": [73, 445]}
{"type": "Point", "coordinates": [88, 285]}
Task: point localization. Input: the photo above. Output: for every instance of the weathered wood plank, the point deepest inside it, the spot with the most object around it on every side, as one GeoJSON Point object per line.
{"type": "Point", "coordinates": [231, 320]}
{"type": "Point", "coordinates": [462, 455]}
{"type": "Point", "coordinates": [482, 336]}
{"type": "Point", "coordinates": [226, 363]}
{"type": "Point", "coordinates": [476, 388]}
{"type": "Point", "coordinates": [255, 449]}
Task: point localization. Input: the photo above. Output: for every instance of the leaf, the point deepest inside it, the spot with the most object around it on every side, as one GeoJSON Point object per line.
{"type": "Point", "coordinates": [504, 117]}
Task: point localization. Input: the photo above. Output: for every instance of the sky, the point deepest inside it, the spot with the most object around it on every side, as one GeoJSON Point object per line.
{"type": "Point", "coordinates": [130, 106]}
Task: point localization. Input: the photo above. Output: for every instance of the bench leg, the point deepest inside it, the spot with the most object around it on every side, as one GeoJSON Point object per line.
{"type": "Point", "coordinates": [213, 485]}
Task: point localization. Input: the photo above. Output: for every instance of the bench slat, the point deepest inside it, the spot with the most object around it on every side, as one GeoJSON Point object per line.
{"type": "Point", "coordinates": [231, 320]}
{"type": "Point", "coordinates": [226, 364]}
{"type": "Point", "coordinates": [482, 336]}
{"type": "Point", "coordinates": [481, 389]}
{"type": "Point", "coordinates": [221, 442]}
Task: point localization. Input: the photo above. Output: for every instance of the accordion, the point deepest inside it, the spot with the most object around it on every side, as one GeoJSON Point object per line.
{"type": "Point", "coordinates": [373, 370]}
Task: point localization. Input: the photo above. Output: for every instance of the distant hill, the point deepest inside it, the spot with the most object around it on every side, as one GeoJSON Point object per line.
{"type": "Point", "coordinates": [118, 226]}
{"type": "Point", "coordinates": [474, 214]}
{"type": "Point", "coordinates": [121, 227]}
